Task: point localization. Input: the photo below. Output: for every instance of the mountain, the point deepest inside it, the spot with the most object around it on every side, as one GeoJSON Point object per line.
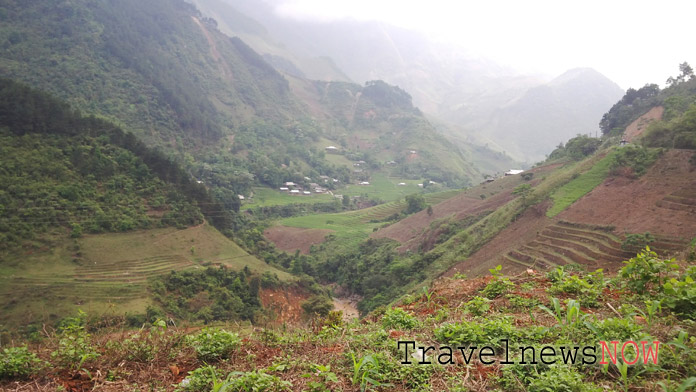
{"type": "Point", "coordinates": [163, 71]}
{"type": "Point", "coordinates": [554, 112]}
{"type": "Point", "coordinates": [483, 101]}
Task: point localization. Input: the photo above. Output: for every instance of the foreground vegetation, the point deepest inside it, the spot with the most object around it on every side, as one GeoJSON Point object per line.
{"type": "Point", "coordinates": [650, 299]}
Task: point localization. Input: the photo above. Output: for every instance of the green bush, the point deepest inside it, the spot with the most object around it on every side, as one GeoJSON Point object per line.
{"type": "Point", "coordinates": [213, 344]}
{"type": "Point", "coordinates": [637, 159]}
{"type": "Point", "coordinates": [398, 318]}
{"type": "Point", "coordinates": [497, 287]}
{"type": "Point", "coordinates": [646, 271]}
{"type": "Point", "coordinates": [478, 306]}
{"type": "Point", "coordinates": [199, 380]}
{"type": "Point", "coordinates": [488, 332]}
{"type": "Point", "coordinates": [637, 241]}
{"type": "Point", "coordinates": [256, 381]}
{"type": "Point", "coordinates": [319, 304]}
{"type": "Point", "coordinates": [680, 294]}
{"type": "Point", "coordinates": [18, 363]}
{"type": "Point", "coordinates": [587, 289]}
{"type": "Point", "coordinates": [74, 344]}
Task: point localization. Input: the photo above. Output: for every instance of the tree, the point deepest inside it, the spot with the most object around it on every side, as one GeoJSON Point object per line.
{"type": "Point", "coordinates": [414, 203]}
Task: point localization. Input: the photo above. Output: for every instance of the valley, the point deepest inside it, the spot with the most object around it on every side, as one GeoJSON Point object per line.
{"type": "Point", "coordinates": [211, 195]}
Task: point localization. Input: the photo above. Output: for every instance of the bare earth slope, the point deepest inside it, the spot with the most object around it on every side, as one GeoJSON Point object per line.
{"type": "Point", "coordinates": [636, 128]}
{"type": "Point", "coordinates": [592, 230]}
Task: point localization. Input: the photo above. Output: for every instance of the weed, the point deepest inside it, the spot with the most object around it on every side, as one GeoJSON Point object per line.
{"type": "Point", "coordinates": [399, 319]}
{"type": "Point", "coordinates": [478, 306]}
{"type": "Point", "coordinates": [214, 344]}
{"type": "Point", "coordinates": [74, 346]}
{"type": "Point", "coordinates": [646, 271]}
{"type": "Point", "coordinates": [365, 372]}
{"type": "Point", "coordinates": [18, 363]}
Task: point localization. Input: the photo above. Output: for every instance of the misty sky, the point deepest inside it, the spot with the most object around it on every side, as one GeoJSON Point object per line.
{"type": "Point", "coordinates": [631, 42]}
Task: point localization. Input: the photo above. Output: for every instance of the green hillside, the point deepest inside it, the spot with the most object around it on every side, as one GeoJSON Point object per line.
{"type": "Point", "coordinates": [89, 216]}
{"type": "Point", "coordinates": [164, 72]}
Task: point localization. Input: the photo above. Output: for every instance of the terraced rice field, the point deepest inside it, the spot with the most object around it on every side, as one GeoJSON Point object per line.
{"type": "Point", "coordinates": [592, 246]}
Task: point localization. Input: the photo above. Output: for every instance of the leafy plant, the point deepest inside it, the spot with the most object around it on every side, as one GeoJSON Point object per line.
{"type": "Point", "coordinates": [646, 271]}
{"type": "Point", "coordinates": [18, 363]}
{"type": "Point", "coordinates": [365, 372]}
{"type": "Point", "coordinates": [74, 345]}
{"type": "Point", "coordinates": [398, 318]}
{"type": "Point", "coordinates": [680, 294]}
{"type": "Point", "coordinates": [214, 344]}
{"type": "Point", "coordinates": [478, 306]}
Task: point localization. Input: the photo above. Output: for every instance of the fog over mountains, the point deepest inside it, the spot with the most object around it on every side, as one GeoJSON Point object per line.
{"type": "Point", "coordinates": [523, 115]}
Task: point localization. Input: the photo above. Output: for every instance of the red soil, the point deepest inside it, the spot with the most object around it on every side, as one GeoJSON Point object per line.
{"type": "Point", "coordinates": [290, 239]}
{"type": "Point", "coordinates": [413, 230]}
{"type": "Point", "coordinates": [636, 128]}
{"type": "Point", "coordinates": [286, 304]}
{"type": "Point", "coordinates": [518, 233]}
{"type": "Point", "coordinates": [632, 206]}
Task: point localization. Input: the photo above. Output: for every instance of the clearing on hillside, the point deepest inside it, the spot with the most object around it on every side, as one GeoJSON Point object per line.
{"type": "Point", "coordinates": [592, 231]}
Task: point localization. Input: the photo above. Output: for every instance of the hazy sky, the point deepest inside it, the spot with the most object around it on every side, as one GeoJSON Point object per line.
{"type": "Point", "coordinates": [631, 42]}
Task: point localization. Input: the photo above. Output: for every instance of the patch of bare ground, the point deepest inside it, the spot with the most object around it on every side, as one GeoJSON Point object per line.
{"type": "Point", "coordinates": [285, 304]}
{"type": "Point", "coordinates": [291, 239]}
{"type": "Point", "coordinates": [636, 128]}
{"type": "Point", "coordinates": [523, 230]}
{"type": "Point", "coordinates": [412, 231]}
{"type": "Point", "coordinates": [637, 205]}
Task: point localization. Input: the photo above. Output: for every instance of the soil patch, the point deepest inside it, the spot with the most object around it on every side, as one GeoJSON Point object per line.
{"type": "Point", "coordinates": [634, 206]}
{"type": "Point", "coordinates": [291, 239]}
{"type": "Point", "coordinates": [636, 128]}
{"type": "Point", "coordinates": [523, 230]}
{"type": "Point", "coordinates": [285, 303]}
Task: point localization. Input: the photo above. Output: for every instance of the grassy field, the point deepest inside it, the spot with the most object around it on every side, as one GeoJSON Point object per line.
{"type": "Point", "coordinates": [383, 187]}
{"type": "Point", "coordinates": [264, 197]}
{"type": "Point", "coordinates": [578, 187]}
{"type": "Point", "coordinates": [354, 226]}
{"type": "Point", "coordinates": [108, 273]}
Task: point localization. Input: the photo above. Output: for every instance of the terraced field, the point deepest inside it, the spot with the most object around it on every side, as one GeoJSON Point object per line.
{"type": "Point", "coordinates": [592, 246]}
{"type": "Point", "coordinates": [110, 272]}
{"type": "Point", "coordinates": [681, 200]}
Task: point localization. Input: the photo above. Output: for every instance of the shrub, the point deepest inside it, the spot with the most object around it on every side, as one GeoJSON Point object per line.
{"type": "Point", "coordinates": [681, 294]}
{"type": "Point", "coordinates": [489, 332]}
{"type": "Point", "coordinates": [18, 363]}
{"type": "Point", "coordinates": [646, 271]}
{"type": "Point", "coordinates": [256, 381]}
{"type": "Point", "coordinates": [497, 287]}
{"type": "Point", "coordinates": [587, 289]}
{"type": "Point", "coordinates": [637, 241]}
{"type": "Point", "coordinates": [398, 318]}
{"type": "Point", "coordinates": [199, 380]}
{"type": "Point", "coordinates": [214, 344]}
{"type": "Point", "coordinates": [74, 346]}
{"type": "Point", "coordinates": [478, 306]}
{"type": "Point", "coordinates": [318, 305]}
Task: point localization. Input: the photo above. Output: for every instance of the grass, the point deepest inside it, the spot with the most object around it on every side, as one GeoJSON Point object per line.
{"type": "Point", "coordinates": [354, 226]}
{"type": "Point", "coordinates": [108, 272]}
{"type": "Point", "coordinates": [578, 187]}
{"type": "Point", "coordinates": [264, 197]}
{"type": "Point", "coordinates": [383, 188]}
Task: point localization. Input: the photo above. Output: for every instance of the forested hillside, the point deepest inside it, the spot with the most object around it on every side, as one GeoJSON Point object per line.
{"type": "Point", "coordinates": [164, 72]}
